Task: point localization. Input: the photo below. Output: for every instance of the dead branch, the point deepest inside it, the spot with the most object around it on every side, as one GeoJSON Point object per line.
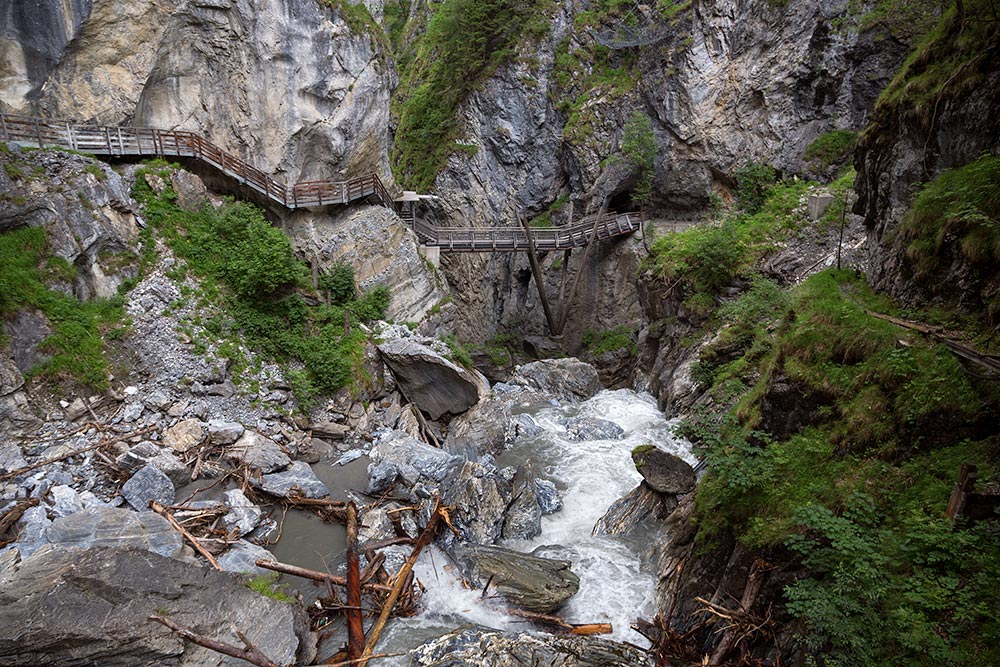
{"type": "Point", "coordinates": [162, 511]}
{"type": "Point", "coordinates": [314, 575]}
{"type": "Point", "coordinates": [251, 653]}
{"type": "Point", "coordinates": [16, 512]}
{"type": "Point", "coordinates": [426, 537]}
{"type": "Point", "coordinates": [560, 623]}
{"type": "Point", "coordinates": [355, 627]}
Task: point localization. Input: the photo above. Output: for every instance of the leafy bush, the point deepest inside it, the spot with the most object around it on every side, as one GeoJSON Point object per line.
{"type": "Point", "coordinates": [338, 283]}
{"type": "Point", "coordinates": [640, 149]}
{"type": "Point", "coordinates": [262, 262]}
{"type": "Point", "coordinates": [753, 184]}
{"type": "Point", "coordinates": [831, 147]}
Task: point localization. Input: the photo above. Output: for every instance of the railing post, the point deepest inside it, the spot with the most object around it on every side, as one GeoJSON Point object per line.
{"type": "Point", "coordinates": [38, 133]}
{"type": "Point", "coordinates": [69, 136]}
{"type": "Point", "coordinates": [343, 191]}
{"type": "Point", "coordinates": [3, 126]}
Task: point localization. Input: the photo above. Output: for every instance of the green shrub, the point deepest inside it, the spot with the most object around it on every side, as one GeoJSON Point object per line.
{"type": "Point", "coordinates": [262, 262]}
{"type": "Point", "coordinates": [611, 340]}
{"type": "Point", "coordinates": [338, 283]}
{"type": "Point", "coordinates": [96, 172]}
{"type": "Point", "coordinates": [753, 185]}
{"type": "Point", "coordinates": [831, 147]}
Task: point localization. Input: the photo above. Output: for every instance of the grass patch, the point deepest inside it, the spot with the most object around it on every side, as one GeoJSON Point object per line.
{"type": "Point", "coordinates": [267, 585]}
{"type": "Point", "coordinates": [831, 148]}
{"type": "Point", "coordinates": [611, 340]}
{"type": "Point", "coordinates": [27, 268]}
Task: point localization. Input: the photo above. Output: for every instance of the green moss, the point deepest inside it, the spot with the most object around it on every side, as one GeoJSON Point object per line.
{"type": "Point", "coordinates": [957, 214]}
{"type": "Point", "coordinates": [267, 585]}
{"type": "Point", "coordinates": [611, 340]}
{"type": "Point", "coordinates": [96, 171]}
{"type": "Point", "coordinates": [76, 344]}
{"type": "Point", "coordinates": [457, 352]}
{"type": "Point", "coordinates": [831, 147]}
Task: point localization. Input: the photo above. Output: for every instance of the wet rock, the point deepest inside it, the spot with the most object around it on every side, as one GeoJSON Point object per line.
{"type": "Point", "coordinates": [298, 479]}
{"type": "Point", "coordinates": [547, 496]}
{"type": "Point", "coordinates": [66, 607]}
{"type": "Point", "coordinates": [329, 430]}
{"type": "Point", "coordinates": [530, 582]}
{"type": "Point", "coordinates": [242, 557]}
{"type": "Point", "coordinates": [409, 421]}
{"type": "Point", "coordinates": [223, 432]}
{"type": "Point", "coordinates": [65, 501]}
{"type": "Point", "coordinates": [258, 452]}
{"type": "Point", "coordinates": [641, 511]}
{"type": "Point", "coordinates": [591, 428]}
{"type": "Point", "coordinates": [32, 528]}
{"type": "Point", "coordinates": [436, 385]}
{"type": "Point", "coordinates": [352, 455]}
{"type": "Point", "coordinates": [480, 498]}
{"type": "Point", "coordinates": [523, 518]}
{"type": "Point", "coordinates": [115, 527]}
{"type": "Point", "coordinates": [243, 515]}
{"type": "Point", "coordinates": [481, 430]}
{"type": "Point", "coordinates": [569, 379]}
{"type": "Point", "coordinates": [416, 461]}
{"type": "Point", "coordinates": [148, 483]}
{"type": "Point", "coordinates": [382, 477]}
{"type": "Point", "coordinates": [184, 435]}
{"type": "Point", "coordinates": [522, 425]}
{"type": "Point", "coordinates": [485, 647]}
{"type": "Point", "coordinates": [663, 472]}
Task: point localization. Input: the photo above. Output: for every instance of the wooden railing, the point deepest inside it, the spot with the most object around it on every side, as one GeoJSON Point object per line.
{"type": "Point", "coordinates": [144, 141]}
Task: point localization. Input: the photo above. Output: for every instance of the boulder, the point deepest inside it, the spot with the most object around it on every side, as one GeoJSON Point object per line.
{"type": "Point", "coordinates": [436, 385]}
{"type": "Point", "coordinates": [258, 452]}
{"type": "Point", "coordinates": [67, 607]}
{"type": "Point", "coordinates": [242, 557]}
{"type": "Point", "coordinates": [416, 461]}
{"type": "Point", "coordinates": [481, 430]}
{"type": "Point", "coordinates": [172, 467]}
{"type": "Point", "coordinates": [579, 429]}
{"type": "Point", "coordinates": [382, 477]}
{"type": "Point", "coordinates": [224, 433]}
{"type": "Point", "coordinates": [642, 511]}
{"type": "Point", "coordinates": [569, 379]}
{"type": "Point", "coordinates": [529, 582]}
{"type": "Point", "coordinates": [243, 515]}
{"type": "Point", "coordinates": [480, 497]}
{"type": "Point", "coordinates": [523, 518]}
{"type": "Point", "coordinates": [329, 430]}
{"type": "Point", "coordinates": [184, 435]}
{"type": "Point", "coordinates": [114, 527]}
{"type": "Point", "coordinates": [11, 458]}
{"type": "Point", "coordinates": [298, 479]}
{"type": "Point", "coordinates": [663, 472]}
{"type": "Point", "coordinates": [485, 647]}
{"type": "Point", "coordinates": [138, 456]}
{"type": "Point", "coordinates": [65, 501]}
{"type": "Point", "coordinates": [547, 496]}
{"type": "Point", "coordinates": [148, 483]}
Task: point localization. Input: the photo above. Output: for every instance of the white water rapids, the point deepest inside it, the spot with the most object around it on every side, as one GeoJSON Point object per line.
{"type": "Point", "coordinates": [590, 476]}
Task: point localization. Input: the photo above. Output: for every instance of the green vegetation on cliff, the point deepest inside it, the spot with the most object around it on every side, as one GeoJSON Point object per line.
{"type": "Point", "coordinates": [838, 435]}
{"type": "Point", "coordinates": [248, 265]}
{"type": "Point", "coordinates": [465, 42]}
{"type": "Point", "coordinates": [29, 275]}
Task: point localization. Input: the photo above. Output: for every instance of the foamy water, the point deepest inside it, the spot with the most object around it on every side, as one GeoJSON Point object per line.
{"type": "Point", "coordinates": [590, 475]}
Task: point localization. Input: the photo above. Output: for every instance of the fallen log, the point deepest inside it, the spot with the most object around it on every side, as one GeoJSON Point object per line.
{"type": "Point", "coordinates": [315, 575]}
{"type": "Point", "coordinates": [251, 653]}
{"type": "Point", "coordinates": [426, 537]}
{"type": "Point", "coordinates": [15, 513]}
{"type": "Point", "coordinates": [559, 622]}
{"type": "Point", "coordinates": [355, 623]}
{"type": "Point", "coordinates": [162, 511]}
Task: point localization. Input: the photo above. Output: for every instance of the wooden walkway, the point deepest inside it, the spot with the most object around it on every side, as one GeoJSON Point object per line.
{"type": "Point", "coordinates": [112, 141]}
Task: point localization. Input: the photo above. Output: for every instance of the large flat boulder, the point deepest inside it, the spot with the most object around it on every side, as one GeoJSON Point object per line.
{"type": "Point", "coordinates": [73, 607]}
{"type": "Point", "coordinates": [569, 379]}
{"type": "Point", "coordinates": [101, 527]}
{"type": "Point", "coordinates": [485, 647]}
{"type": "Point", "coordinates": [415, 461]}
{"type": "Point", "coordinates": [258, 452]}
{"type": "Point", "coordinates": [663, 471]}
{"type": "Point", "coordinates": [436, 385]}
{"type": "Point", "coordinates": [530, 582]}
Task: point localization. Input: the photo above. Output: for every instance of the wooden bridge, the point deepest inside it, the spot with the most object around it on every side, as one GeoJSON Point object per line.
{"type": "Point", "coordinates": [113, 141]}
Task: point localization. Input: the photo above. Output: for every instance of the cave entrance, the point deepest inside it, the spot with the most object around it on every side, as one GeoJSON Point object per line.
{"type": "Point", "coordinates": [622, 202]}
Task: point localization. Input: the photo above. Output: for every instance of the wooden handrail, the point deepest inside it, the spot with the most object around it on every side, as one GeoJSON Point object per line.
{"type": "Point", "coordinates": [146, 141]}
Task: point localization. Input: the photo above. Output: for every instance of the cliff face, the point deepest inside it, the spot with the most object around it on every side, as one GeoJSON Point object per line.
{"type": "Point", "coordinates": [724, 84]}
{"type": "Point", "coordinates": [933, 118]}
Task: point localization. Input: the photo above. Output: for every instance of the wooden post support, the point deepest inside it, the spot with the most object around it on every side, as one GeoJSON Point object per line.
{"type": "Point", "coordinates": [964, 486]}
{"type": "Point", "coordinates": [564, 315]}
{"type": "Point", "coordinates": [38, 133]}
{"type": "Point", "coordinates": [554, 327]}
